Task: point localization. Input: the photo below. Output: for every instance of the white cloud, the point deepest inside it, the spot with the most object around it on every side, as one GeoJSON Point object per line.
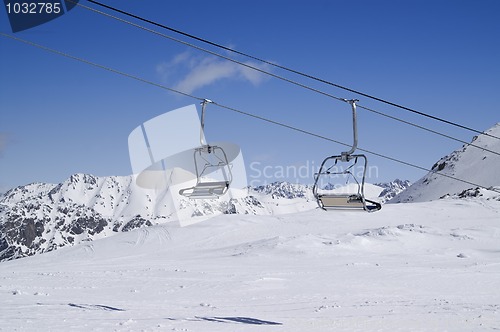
{"type": "Point", "coordinates": [252, 75]}
{"type": "Point", "coordinates": [198, 72]}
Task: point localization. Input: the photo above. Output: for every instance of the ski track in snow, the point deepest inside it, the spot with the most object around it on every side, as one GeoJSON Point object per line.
{"type": "Point", "coordinates": [423, 266]}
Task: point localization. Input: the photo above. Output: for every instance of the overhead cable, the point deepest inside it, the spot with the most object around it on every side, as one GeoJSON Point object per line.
{"type": "Point", "coordinates": [239, 111]}
{"type": "Point", "coordinates": [289, 69]}
{"type": "Point", "coordinates": [213, 53]}
{"type": "Point", "coordinates": [428, 130]}
{"type": "Point", "coordinates": [280, 77]}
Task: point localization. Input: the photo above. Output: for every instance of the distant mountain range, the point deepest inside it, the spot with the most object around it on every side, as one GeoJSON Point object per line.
{"type": "Point", "coordinates": [41, 217]}
{"type": "Point", "coordinates": [392, 189]}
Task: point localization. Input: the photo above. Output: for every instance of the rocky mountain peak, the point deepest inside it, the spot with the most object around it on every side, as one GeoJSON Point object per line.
{"type": "Point", "coordinates": [477, 165]}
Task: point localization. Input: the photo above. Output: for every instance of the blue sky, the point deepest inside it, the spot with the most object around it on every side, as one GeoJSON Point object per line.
{"type": "Point", "coordinates": [60, 117]}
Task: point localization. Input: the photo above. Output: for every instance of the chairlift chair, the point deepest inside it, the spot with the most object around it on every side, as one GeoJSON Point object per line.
{"type": "Point", "coordinates": [209, 161]}
{"type": "Point", "coordinates": [350, 201]}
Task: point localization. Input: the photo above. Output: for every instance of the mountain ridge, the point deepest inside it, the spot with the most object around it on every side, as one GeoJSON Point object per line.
{"type": "Point", "coordinates": [472, 163]}
{"type": "Point", "coordinates": [41, 217]}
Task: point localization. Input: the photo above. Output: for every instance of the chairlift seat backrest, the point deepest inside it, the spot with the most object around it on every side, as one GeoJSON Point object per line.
{"type": "Point", "coordinates": [209, 188]}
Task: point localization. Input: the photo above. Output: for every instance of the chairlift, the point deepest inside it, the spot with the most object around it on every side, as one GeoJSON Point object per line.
{"type": "Point", "coordinates": [354, 200]}
{"type": "Point", "coordinates": [213, 172]}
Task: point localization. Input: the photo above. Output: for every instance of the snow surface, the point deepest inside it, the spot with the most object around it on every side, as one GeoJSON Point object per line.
{"type": "Point", "coordinates": [472, 164]}
{"type": "Point", "coordinates": [430, 266]}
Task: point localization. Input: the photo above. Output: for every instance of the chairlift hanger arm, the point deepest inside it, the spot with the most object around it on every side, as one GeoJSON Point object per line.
{"type": "Point", "coordinates": [346, 154]}
{"type": "Point", "coordinates": [202, 130]}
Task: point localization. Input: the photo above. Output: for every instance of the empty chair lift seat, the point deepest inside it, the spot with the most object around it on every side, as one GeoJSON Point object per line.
{"type": "Point", "coordinates": [341, 201]}
{"type": "Point", "coordinates": [206, 190]}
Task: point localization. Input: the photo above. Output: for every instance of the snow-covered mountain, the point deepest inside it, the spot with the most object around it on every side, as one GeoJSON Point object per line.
{"type": "Point", "coordinates": [472, 164]}
{"type": "Point", "coordinates": [41, 217]}
{"type": "Point", "coordinates": [285, 190]}
{"type": "Point", "coordinates": [392, 189]}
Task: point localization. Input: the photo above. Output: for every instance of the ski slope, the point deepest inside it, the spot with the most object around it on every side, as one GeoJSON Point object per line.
{"type": "Point", "coordinates": [430, 266]}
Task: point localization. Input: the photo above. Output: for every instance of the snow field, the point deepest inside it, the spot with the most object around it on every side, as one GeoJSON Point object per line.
{"type": "Point", "coordinates": [430, 266]}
